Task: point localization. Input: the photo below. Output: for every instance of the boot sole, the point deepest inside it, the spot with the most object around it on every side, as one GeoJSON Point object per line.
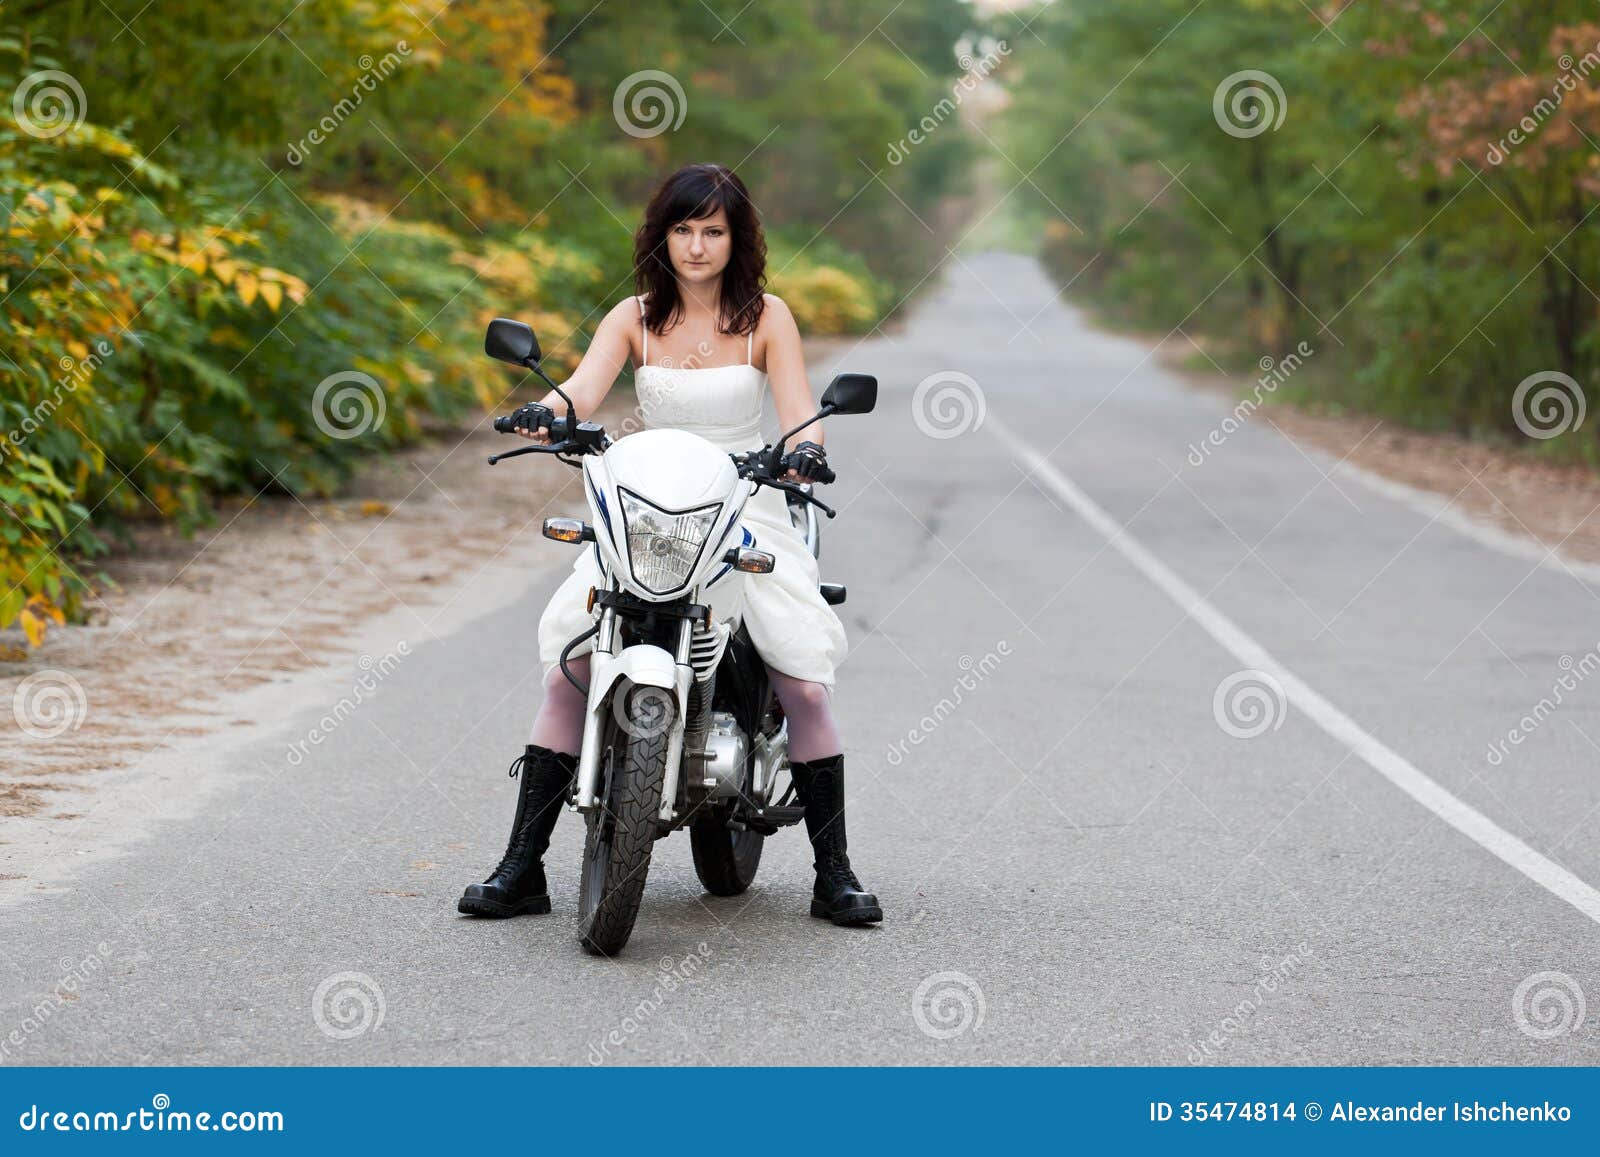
{"type": "Point", "coordinates": [866, 914]}
{"type": "Point", "coordinates": [496, 910]}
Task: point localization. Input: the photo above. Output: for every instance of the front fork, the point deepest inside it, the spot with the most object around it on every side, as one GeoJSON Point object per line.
{"type": "Point", "coordinates": [613, 673]}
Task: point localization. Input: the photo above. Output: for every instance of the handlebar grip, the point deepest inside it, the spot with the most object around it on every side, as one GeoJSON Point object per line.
{"type": "Point", "coordinates": [823, 474]}
{"type": "Point", "coordinates": [543, 420]}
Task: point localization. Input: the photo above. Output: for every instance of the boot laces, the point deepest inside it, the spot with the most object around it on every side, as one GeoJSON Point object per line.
{"type": "Point", "coordinates": [838, 873]}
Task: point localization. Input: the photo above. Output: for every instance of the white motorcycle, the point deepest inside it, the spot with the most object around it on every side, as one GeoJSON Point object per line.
{"type": "Point", "coordinates": [682, 727]}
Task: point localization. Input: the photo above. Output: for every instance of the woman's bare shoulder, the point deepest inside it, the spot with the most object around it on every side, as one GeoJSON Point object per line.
{"type": "Point", "coordinates": [775, 315]}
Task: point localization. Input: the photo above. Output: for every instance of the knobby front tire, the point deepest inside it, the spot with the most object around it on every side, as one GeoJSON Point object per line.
{"type": "Point", "coordinates": [622, 835]}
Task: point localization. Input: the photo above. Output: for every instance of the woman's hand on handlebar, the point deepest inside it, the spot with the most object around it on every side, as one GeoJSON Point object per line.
{"type": "Point", "coordinates": [531, 421]}
{"type": "Point", "coordinates": [808, 462]}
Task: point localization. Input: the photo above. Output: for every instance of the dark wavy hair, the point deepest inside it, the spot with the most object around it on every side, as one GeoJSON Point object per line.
{"type": "Point", "coordinates": [693, 193]}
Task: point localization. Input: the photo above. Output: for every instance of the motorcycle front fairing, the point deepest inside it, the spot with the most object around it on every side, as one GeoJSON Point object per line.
{"type": "Point", "coordinates": [674, 478]}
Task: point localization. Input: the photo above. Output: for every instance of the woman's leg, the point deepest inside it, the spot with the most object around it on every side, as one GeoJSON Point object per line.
{"type": "Point", "coordinates": [559, 723]}
{"type": "Point", "coordinates": [816, 762]}
{"type": "Point", "coordinates": [809, 708]}
{"type": "Point", "coordinates": [517, 886]}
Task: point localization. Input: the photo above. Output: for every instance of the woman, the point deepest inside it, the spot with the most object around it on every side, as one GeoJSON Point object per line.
{"type": "Point", "coordinates": [699, 264]}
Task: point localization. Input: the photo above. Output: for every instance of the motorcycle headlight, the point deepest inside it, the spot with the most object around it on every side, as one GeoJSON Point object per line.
{"type": "Point", "coordinates": [663, 547]}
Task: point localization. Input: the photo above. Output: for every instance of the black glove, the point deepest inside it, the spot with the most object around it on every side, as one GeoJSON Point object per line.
{"type": "Point", "coordinates": [532, 416]}
{"type": "Point", "coordinates": [810, 462]}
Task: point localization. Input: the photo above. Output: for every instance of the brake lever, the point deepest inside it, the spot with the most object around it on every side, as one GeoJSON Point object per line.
{"type": "Point", "coordinates": [791, 488]}
{"type": "Point", "coordinates": [553, 448]}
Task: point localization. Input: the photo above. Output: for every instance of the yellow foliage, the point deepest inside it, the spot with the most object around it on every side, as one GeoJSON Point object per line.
{"type": "Point", "coordinates": [37, 615]}
{"type": "Point", "coordinates": [825, 299]}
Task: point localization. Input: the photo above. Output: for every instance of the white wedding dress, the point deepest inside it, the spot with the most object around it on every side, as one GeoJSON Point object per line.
{"type": "Point", "coordinates": [793, 630]}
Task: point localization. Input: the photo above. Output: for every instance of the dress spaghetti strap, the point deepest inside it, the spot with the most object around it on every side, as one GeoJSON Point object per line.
{"type": "Point", "coordinates": [749, 349]}
{"type": "Point", "coordinates": [645, 351]}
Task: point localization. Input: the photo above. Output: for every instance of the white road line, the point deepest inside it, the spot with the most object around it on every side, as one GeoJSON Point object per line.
{"type": "Point", "coordinates": [1390, 764]}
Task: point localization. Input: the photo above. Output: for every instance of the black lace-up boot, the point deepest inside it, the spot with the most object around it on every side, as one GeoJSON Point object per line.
{"type": "Point", "coordinates": [517, 887]}
{"type": "Point", "coordinates": [838, 895]}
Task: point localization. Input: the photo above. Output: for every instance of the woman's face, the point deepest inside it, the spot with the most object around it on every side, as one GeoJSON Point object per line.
{"type": "Point", "coordinates": [700, 248]}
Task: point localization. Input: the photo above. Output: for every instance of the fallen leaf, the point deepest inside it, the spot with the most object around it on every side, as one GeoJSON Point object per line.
{"type": "Point", "coordinates": [372, 507]}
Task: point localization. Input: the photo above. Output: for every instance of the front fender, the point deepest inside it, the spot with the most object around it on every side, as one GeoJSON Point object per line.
{"type": "Point", "coordinates": [640, 665]}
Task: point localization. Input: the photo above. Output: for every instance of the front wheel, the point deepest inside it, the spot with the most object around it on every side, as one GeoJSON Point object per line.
{"type": "Point", "coordinates": [725, 860]}
{"type": "Point", "coordinates": [622, 832]}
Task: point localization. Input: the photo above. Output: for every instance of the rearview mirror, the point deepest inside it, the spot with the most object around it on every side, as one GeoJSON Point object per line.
{"type": "Point", "coordinates": [511, 341]}
{"type": "Point", "coordinates": [851, 393]}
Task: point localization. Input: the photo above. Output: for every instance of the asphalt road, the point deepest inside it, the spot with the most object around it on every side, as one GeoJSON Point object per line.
{"type": "Point", "coordinates": [1083, 854]}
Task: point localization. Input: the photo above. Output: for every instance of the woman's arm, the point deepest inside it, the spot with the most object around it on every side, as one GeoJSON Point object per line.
{"type": "Point", "coordinates": [786, 370]}
{"type": "Point", "coordinates": [597, 372]}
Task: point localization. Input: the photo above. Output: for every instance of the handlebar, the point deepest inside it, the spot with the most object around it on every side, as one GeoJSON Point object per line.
{"type": "Point", "coordinates": [590, 438]}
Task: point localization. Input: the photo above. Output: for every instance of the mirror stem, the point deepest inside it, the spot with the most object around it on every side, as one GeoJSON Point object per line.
{"type": "Point", "coordinates": [777, 448]}
{"type": "Point", "coordinates": [572, 411]}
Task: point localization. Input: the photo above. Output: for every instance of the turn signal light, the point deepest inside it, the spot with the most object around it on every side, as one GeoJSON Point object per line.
{"type": "Point", "coordinates": [750, 561]}
{"type": "Point", "coordinates": [568, 530]}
